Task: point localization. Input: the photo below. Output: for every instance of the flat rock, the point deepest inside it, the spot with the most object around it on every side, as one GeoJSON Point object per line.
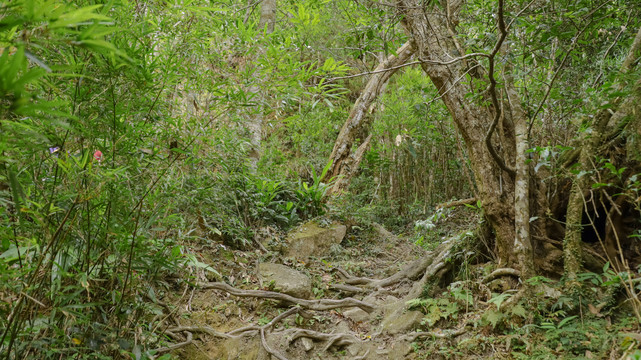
{"type": "Point", "coordinates": [400, 320]}
{"type": "Point", "coordinates": [400, 350]}
{"type": "Point", "coordinates": [312, 240]}
{"type": "Point", "coordinates": [286, 280]}
{"type": "Point", "coordinates": [354, 349]}
{"type": "Point", "coordinates": [356, 314]}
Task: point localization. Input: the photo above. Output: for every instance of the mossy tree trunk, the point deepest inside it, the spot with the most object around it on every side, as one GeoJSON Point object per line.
{"type": "Point", "coordinates": [606, 121]}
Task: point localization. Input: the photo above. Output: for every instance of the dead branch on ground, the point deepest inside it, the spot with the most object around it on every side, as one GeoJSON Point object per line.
{"type": "Point", "coordinates": [450, 204]}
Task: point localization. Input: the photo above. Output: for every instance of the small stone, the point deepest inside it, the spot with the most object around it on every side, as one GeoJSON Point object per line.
{"type": "Point", "coordinates": [400, 350]}
{"type": "Point", "coordinates": [307, 343]}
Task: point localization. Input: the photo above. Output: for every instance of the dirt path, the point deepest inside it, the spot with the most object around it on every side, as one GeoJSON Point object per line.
{"type": "Point", "coordinates": [371, 267]}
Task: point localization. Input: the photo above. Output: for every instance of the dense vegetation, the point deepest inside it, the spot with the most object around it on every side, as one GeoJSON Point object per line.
{"type": "Point", "coordinates": [136, 135]}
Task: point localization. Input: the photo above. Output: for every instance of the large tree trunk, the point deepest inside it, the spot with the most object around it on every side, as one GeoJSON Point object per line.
{"type": "Point", "coordinates": [357, 124]}
{"type": "Point", "coordinates": [433, 34]}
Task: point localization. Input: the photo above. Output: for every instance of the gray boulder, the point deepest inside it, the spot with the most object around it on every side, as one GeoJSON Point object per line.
{"type": "Point", "coordinates": [312, 240]}
{"type": "Point", "coordinates": [286, 280]}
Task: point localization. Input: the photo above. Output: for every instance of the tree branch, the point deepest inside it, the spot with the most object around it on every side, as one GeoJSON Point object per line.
{"type": "Point", "coordinates": [419, 61]}
{"type": "Point", "coordinates": [498, 110]}
{"type": "Point", "coordinates": [556, 74]}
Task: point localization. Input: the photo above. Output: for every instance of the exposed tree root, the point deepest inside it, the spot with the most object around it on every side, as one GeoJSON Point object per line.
{"type": "Point", "coordinates": [319, 305]}
{"type": "Point", "coordinates": [411, 271]}
{"type": "Point", "coordinates": [514, 299]}
{"type": "Point", "coordinates": [436, 264]}
{"type": "Point", "coordinates": [362, 356]}
{"type": "Point", "coordinates": [447, 334]}
{"type": "Point", "coordinates": [232, 334]}
{"type": "Point", "coordinates": [336, 339]}
{"type": "Point", "coordinates": [346, 288]}
{"type": "Point", "coordinates": [199, 329]}
{"type": "Point", "coordinates": [190, 339]}
{"type": "Point", "coordinates": [263, 341]}
{"type": "Point", "coordinates": [501, 272]}
{"type": "Point", "coordinates": [427, 268]}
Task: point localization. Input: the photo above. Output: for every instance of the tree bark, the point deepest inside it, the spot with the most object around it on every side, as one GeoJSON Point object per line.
{"type": "Point", "coordinates": [432, 32]}
{"type": "Point", "coordinates": [522, 240]}
{"type": "Point", "coordinates": [349, 171]}
{"type": "Point", "coordinates": [267, 16]}
{"type": "Point", "coordinates": [358, 120]}
{"type": "Point", "coordinates": [255, 122]}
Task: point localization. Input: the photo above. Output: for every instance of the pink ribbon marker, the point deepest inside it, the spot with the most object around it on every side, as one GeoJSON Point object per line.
{"type": "Point", "coordinates": [98, 155]}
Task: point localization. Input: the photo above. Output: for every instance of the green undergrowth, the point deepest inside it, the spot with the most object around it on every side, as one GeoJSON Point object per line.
{"type": "Point", "coordinates": [545, 323]}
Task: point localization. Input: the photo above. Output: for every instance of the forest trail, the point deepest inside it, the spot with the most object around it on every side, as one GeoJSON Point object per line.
{"type": "Point", "coordinates": [225, 326]}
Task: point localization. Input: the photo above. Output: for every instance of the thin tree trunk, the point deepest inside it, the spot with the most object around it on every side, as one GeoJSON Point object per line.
{"type": "Point", "coordinates": [267, 16]}
{"type": "Point", "coordinates": [343, 181]}
{"type": "Point", "coordinates": [358, 119]}
{"type": "Point", "coordinates": [255, 121]}
{"type": "Point", "coordinates": [522, 240]}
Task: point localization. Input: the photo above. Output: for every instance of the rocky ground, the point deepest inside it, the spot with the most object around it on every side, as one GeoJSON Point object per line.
{"type": "Point", "coordinates": [320, 293]}
{"type": "Point", "coordinates": [330, 291]}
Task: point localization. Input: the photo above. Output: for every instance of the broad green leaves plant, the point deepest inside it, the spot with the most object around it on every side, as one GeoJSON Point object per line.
{"type": "Point", "coordinates": [312, 196]}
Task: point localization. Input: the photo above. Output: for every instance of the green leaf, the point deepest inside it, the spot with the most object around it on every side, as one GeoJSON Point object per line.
{"type": "Point", "coordinates": [499, 299]}
{"type": "Point", "coordinates": [493, 317]}
{"type": "Point", "coordinates": [519, 310]}
{"type": "Point", "coordinates": [566, 320]}
{"type": "Point", "coordinates": [14, 253]}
